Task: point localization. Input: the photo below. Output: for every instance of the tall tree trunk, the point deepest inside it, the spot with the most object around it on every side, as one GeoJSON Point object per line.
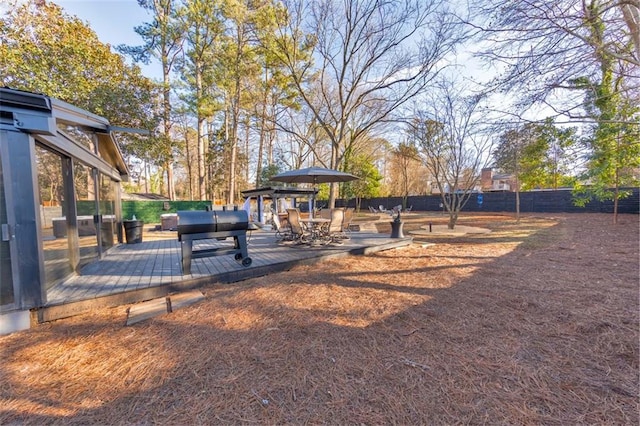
{"type": "Point", "coordinates": [202, 187]}
{"type": "Point", "coordinates": [235, 116]}
{"type": "Point", "coordinates": [166, 121]}
{"type": "Point", "coordinates": [233, 143]}
{"type": "Point", "coordinates": [260, 153]}
{"type": "Point", "coordinates": [517, 204]}
{"type": "Point", "coordinates": [271, 133]}
{"type": "Point", "coordinates": [189, 167]}
{"type": "Point", "coordinates": [202, 181]}
{"type": "Point", "coordinates": [263, 132]}
{"type": "Point", "coordinates": [616, 194]}
{"type": "Point", "coordinates": [146, 176]}
{"type": "Point", "coordinates": [517, 188]}
{"type": "Point", "coordinates": [247, 128]}
{"type": "Point", "coordinates": [615, 205]}
{"type": "Point", "coordinates": [453, 210]}
{"type": "Point", "coordinates": [631, 15]}
{"type": "Point", "coordinates": [231, 196]}
{"type": "Point", "coordinates": [227, 138]}
{"type": "Point", "coordinates": [333, 187]}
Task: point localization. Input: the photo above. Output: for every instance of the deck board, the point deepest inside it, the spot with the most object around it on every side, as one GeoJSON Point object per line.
{"type": "Point", "coordinates": [130, 273]}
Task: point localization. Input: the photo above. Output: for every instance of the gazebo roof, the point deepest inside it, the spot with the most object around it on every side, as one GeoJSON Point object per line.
{"type": "Point", "coordinates": [42, 116]}
{"type": "Point", "coordinates": [280, 192]}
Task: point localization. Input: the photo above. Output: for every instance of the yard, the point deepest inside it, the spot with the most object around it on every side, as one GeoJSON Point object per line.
{"type": "Point", "coordinates": [536, 322]}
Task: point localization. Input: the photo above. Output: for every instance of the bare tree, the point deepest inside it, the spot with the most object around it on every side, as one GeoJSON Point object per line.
{"type": "Point", "coordinates": [407, 172]}
{"type": "Point", "coordinates": [544, 47]}
{"type": "Point", "coordinates": [372, 57]}
{"type": "Point", "coordinates": [581, 59]}
{"type": "Point", "coordinates": [301, 139]}
{"type": "Point", "coordinates": [453, 143]}
{"type": "Point", "coordinates": [509, 154]}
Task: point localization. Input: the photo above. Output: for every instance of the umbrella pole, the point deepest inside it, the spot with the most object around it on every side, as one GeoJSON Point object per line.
{"type": "Point", "coordinates": [313, 198]}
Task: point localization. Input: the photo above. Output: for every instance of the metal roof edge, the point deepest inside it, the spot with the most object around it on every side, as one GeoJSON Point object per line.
{"type": "Point", "coordinates": [72, 114]}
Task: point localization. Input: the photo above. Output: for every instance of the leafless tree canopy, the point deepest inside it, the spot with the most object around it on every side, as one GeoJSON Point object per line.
{"type": "Point", "coordinates": [544, 46]}
{"type": "Point", "coordinates": [369, 58]}
{"type": "Point", "coordinates": [453, 143]}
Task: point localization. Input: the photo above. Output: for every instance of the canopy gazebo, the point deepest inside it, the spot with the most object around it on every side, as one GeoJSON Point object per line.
{"type": "Point", "coordinates": [276, 194]}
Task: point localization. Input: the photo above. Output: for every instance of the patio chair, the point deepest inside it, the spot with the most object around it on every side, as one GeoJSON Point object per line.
{"type": "Point", "coordinates": [373, 209]}
{"type": "Point", "coordinates": [383, 209]}
{"type": "Point", "coordinates": [325, 213]}
{"type": "Point", "coordinates": [346, 221]}
{"type": "Point", "coordinates": [283, 233]}
{"type": "Point", "coordinates": [336, 231]}
{"type": "Point", "coordinates": [299, 232]}
{"type": "Point", "coordinates": [408, 209]}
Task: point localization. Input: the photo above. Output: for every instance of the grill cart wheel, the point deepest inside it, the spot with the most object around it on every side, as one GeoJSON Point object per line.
{"type": "Point", "coordinates": [246, 261]}
{"type": "Point", "coordinates": [238, 256]}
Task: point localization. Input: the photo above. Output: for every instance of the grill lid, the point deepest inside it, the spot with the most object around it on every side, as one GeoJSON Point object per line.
{"type": "Point", "coordinates": [201, 221]}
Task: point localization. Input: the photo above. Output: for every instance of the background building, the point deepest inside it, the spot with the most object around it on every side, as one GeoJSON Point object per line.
{"type": "Point", "coordinates": [492, 181]}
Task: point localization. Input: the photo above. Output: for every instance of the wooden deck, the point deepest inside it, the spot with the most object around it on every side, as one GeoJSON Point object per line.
{"type": "Point", "coordinates": [131, 273]}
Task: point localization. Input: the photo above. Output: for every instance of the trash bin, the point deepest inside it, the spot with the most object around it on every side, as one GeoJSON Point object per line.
{"type": "Point", "coordinates": [133, 231]}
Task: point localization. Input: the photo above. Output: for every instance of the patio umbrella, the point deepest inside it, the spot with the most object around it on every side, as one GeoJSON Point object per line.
{"type": "Point", "coordinates": [314, 175]}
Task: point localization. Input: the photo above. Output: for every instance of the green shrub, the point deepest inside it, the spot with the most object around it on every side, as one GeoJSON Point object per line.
{"type": "Point", "coordinates": [150, 211]}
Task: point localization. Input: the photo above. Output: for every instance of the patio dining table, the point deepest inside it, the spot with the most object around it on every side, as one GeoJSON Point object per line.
{"type": "Point", "coordinates": [318, 228]}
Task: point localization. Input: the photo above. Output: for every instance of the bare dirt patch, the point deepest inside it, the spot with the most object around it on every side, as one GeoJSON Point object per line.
{"type": "Point", "coordinates": [533, 323]}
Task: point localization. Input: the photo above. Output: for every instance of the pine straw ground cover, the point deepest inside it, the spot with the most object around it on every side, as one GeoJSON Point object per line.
{"type": "Point", "coordinates": [534, 323]}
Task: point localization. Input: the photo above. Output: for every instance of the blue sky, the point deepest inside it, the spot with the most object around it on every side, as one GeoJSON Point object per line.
{"type": "Point", "coordinates": [114, 22]}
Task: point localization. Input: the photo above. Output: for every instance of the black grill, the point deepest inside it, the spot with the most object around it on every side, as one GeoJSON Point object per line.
{"type": "Point", "coordinates": [220, 225]}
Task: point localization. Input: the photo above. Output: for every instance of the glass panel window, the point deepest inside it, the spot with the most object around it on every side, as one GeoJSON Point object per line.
{"type": "Point", "coordinates": [107, 210]}
{"type": "Point", "coordinates": [54, 219]}
{"type": "Point", "coordinates": [81, 137]}
{"type": "Point", "coordinates": [86, 209]}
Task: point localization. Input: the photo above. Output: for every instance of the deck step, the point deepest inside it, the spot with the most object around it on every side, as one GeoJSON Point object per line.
{"type": "Point", "coordinates": [162, 305]}
{"type": "Point", "coordinates": [182, 300]}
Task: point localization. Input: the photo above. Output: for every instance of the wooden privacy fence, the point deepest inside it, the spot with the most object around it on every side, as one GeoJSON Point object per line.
{"type": "Point", "coordinates": [559, 201]}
